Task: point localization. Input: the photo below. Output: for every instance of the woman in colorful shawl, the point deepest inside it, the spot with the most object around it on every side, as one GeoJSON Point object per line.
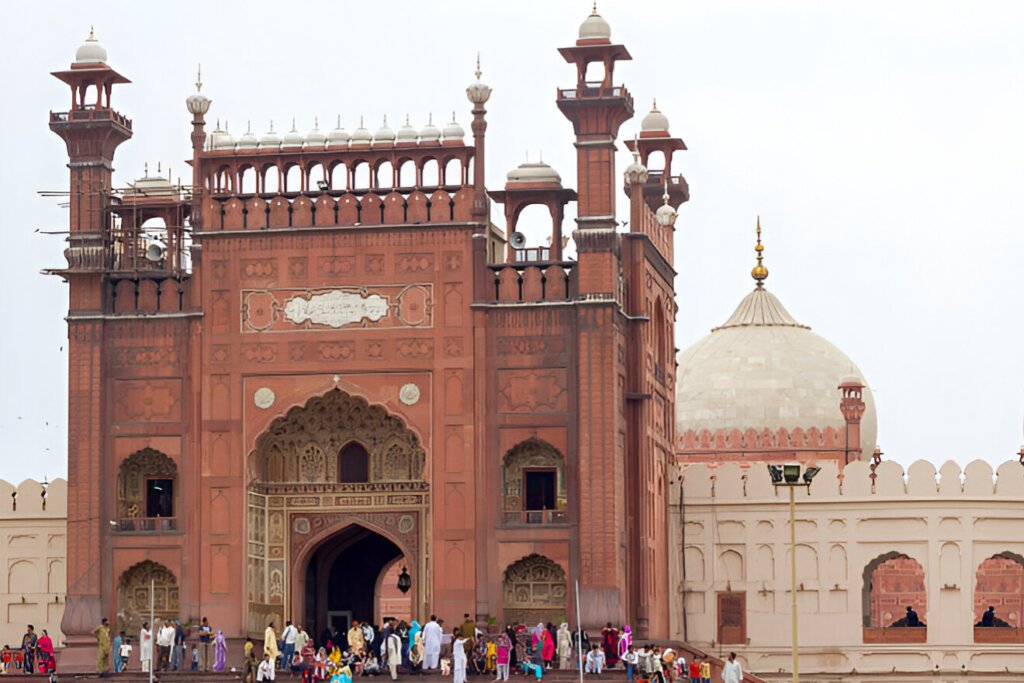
{"type": "Point", "coordinates": [220, 651]}
{"type": "Point", "coordinates": [610, 644]}
{"type": "Point", "coordinates": [547, 648]}
{"type": "Point", "coordinates": [47, 664]}
{"type": "Point", "coordinates": [625, 640]}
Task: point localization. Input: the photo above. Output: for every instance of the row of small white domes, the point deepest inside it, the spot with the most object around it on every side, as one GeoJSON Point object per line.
{"type": "Point", "coordinates": [339, 137]}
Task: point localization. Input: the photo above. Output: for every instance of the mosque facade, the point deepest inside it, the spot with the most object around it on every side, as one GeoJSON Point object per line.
{"type": "Point", "coordinates": [319, 374]}
{"type": "Point", "coordinates": [320, 366]}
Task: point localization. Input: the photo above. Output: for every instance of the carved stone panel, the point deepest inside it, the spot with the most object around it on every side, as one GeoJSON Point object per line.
{"type": "Point", "coordinates": [152, 400]}
{"type": "Point", "coordinates": [532, 391]}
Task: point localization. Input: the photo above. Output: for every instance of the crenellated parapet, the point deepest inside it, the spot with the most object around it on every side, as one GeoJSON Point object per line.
{"type": "Point", "coordinates": [32, 499]}
{"type": "Point", "coordinates": [740, 482]}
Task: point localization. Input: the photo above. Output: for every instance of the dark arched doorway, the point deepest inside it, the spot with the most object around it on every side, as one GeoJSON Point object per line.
{"type": "Point", "coordinates": [342, 577]}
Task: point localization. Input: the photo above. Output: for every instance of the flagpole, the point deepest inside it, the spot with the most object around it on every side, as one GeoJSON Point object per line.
{"type": "Point", "coordinates": [152, 628]}
{"type": "Point", "coordinates": [579, 631]}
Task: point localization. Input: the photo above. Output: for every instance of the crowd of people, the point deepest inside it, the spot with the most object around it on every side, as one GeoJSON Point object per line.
{"type": "Point", "coordinates": [393, 647]}
{"type": "Point", "coordinates": [398, 646]}
{"type": "Point", "coordinates": [177, 648]}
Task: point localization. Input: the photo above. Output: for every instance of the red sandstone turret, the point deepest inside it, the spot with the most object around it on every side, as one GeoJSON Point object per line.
{"type": "Point", "coordinates": [92, 130]}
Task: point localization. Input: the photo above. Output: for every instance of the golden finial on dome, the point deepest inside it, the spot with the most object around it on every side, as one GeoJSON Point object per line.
{"type": "Point", "coordinates": [478, 72]}
{"type": "Point", "coordinates": [92, 35]}
{"type": "Point", "coordinates": [759, 272]}
{"type": "Point", "coordinates": [593, 12]}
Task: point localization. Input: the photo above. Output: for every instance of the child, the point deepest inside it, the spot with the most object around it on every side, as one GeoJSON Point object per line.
{"type": "Point", "coordinates": [695, 671]}
{"type": "Point", "coordinates": [536, 669]}
{"type": "Point", "coordinates": [595, 659]}
{"type": "Point", "coordinates": [195, 658]}
{"type": "Point", "coordinates": [705, 670]}
{"type": "Point", "coordinates": [446, 666]}
{"type": "Point", "coordinates": [126, 653]}
{"type": "Point", "coordinates": [629, 658]}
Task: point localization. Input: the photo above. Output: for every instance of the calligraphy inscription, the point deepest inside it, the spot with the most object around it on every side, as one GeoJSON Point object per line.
{"type": "Point", "coordinates": [336, 308]}
{"type": "Point", "coordinates": [380, 306]}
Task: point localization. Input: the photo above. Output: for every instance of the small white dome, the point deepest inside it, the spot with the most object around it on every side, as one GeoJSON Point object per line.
{"type": "Point", "coordinates": [248, 140]}
{"type": "Point", "coordinates": [452, 130]}
{"type": "Point", "coordinates": [315, 139]}
{"type": "Point", "coordinates": [270, 140]}
{"type": "Point", "coordinates": [90, 52]}
{"type": "Point", "coordinates": [407, 133]}
{"type": "Point", "coordinates": [151, 185]}
{"type": "Point", "coordinates": [655, 121]}
{"type": "Point", "coordinates": [594, 27]}
{"type": "Point", "coordinates": [538, 172]}
{"type": "Point", "coordinates": [665, 215]}
{"type": "Point", "coordinates": [338, 137]}
{"type": "Point", "coordinates": [430, 132]}
{"type": "Point", "coordinates": [361, 135]}
{"type": "Point", "coordinates": [292, 138]}
{"type": "Point", "coordinates": [384, 133]}
{"type": "Point", "coordinates": [221, 139]}
{"type": "Point", "coordinates": [635, 172]}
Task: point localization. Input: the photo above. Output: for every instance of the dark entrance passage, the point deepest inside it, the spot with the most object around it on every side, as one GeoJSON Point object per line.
{"type": "Point", "coordinates": [341, 580]}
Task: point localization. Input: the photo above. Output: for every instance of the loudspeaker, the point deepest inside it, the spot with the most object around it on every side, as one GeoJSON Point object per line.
{"type": "Point", "coordinates": [517, 240]}
{"type": "Point", "coordinates": [155, 252]}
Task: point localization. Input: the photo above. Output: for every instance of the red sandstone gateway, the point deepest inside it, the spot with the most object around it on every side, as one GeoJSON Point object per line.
{"type": "Point", "coordinates": [320, 366]}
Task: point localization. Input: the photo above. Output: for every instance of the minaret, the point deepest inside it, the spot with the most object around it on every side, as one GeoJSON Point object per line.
{"type": "Point", "coordinates": [478, 93]}
{"type": "Point", "coordinates": [596, 109]}
{"type": "Point", "coordinates": [92, 131]}
{"type": "Point", "coordinates": [198, 104]}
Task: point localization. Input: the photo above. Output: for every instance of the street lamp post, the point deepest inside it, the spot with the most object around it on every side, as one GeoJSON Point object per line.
{"type": "Point", "coordinates": [789, 477]}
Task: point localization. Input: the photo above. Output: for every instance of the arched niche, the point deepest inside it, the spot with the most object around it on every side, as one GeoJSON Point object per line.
{"type": "Point", "coordinates": [305, 445]}
{"type": "Point", "coordinates": [147, 492]}
{"type": "Point", "coordinates": [133, 595]}
{"type": "Point", "coordinates": [534, 489]}
{"type": "Point", "coordinates": [534, 591]}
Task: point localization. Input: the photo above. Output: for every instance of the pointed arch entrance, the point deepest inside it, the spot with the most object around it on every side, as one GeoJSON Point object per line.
{"type": "Point", "coordinates": [337, 495]}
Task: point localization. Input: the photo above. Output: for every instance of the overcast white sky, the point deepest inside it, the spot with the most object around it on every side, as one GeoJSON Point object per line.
{"type": "Point", "coordinates": [881, 143]}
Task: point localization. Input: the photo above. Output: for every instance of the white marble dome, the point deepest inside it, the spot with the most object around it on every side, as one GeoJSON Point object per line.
{"type": "Point", "coordinates": [595, 26]}
{"type": "Point", "coordinates": [338, 137]}
{"type": "Point", "coordinates": [90, 52]}
{"type": "Point", "coordinates": [761, 369]}
{"type": "Point", "coordinates": [316, 139]}
{"type": "Point", "coordinates": [270, 139]}
{"type": "Point", "coordinates": [452, 130]}
{"type": "Point", "coordinates": [384, 134]}
{"type": "Point", "coordinates": [407, 133]}
{"type": "Point", "coordinates": [292, 138]}
{"type": "Point", "coordinates": [430, 132]}
{"type": "Point", "coordinates": [361, 135]}
{"type": "Point", "coordinates": [537, 172]}
{"type": "Point", "coordinates": [654, 121]}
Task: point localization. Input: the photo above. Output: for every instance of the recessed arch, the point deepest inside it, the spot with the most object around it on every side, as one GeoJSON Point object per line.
{"type": "Point", "coordinates": [534, 591]}
{"type": "Point", "coordinates": [133, 595]}
{"type": "Point", "coordinates": [332, 421]}
{"type": "Point", "coordinates": [534, 483]}
{"type": "Point", "coordinates": [893, 581]}
{"type": "Point", "coordinates": [999, 584]}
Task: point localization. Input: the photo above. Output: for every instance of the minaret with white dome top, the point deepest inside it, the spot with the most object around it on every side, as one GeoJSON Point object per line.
{"type": "Point", "coordinates": [92, 131]}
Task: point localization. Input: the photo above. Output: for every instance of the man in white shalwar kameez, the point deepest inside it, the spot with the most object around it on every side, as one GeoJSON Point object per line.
{"type": "Point", "coordinates": [431, 643]}
{"type": "Point", "coordinates": [732, 673]}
